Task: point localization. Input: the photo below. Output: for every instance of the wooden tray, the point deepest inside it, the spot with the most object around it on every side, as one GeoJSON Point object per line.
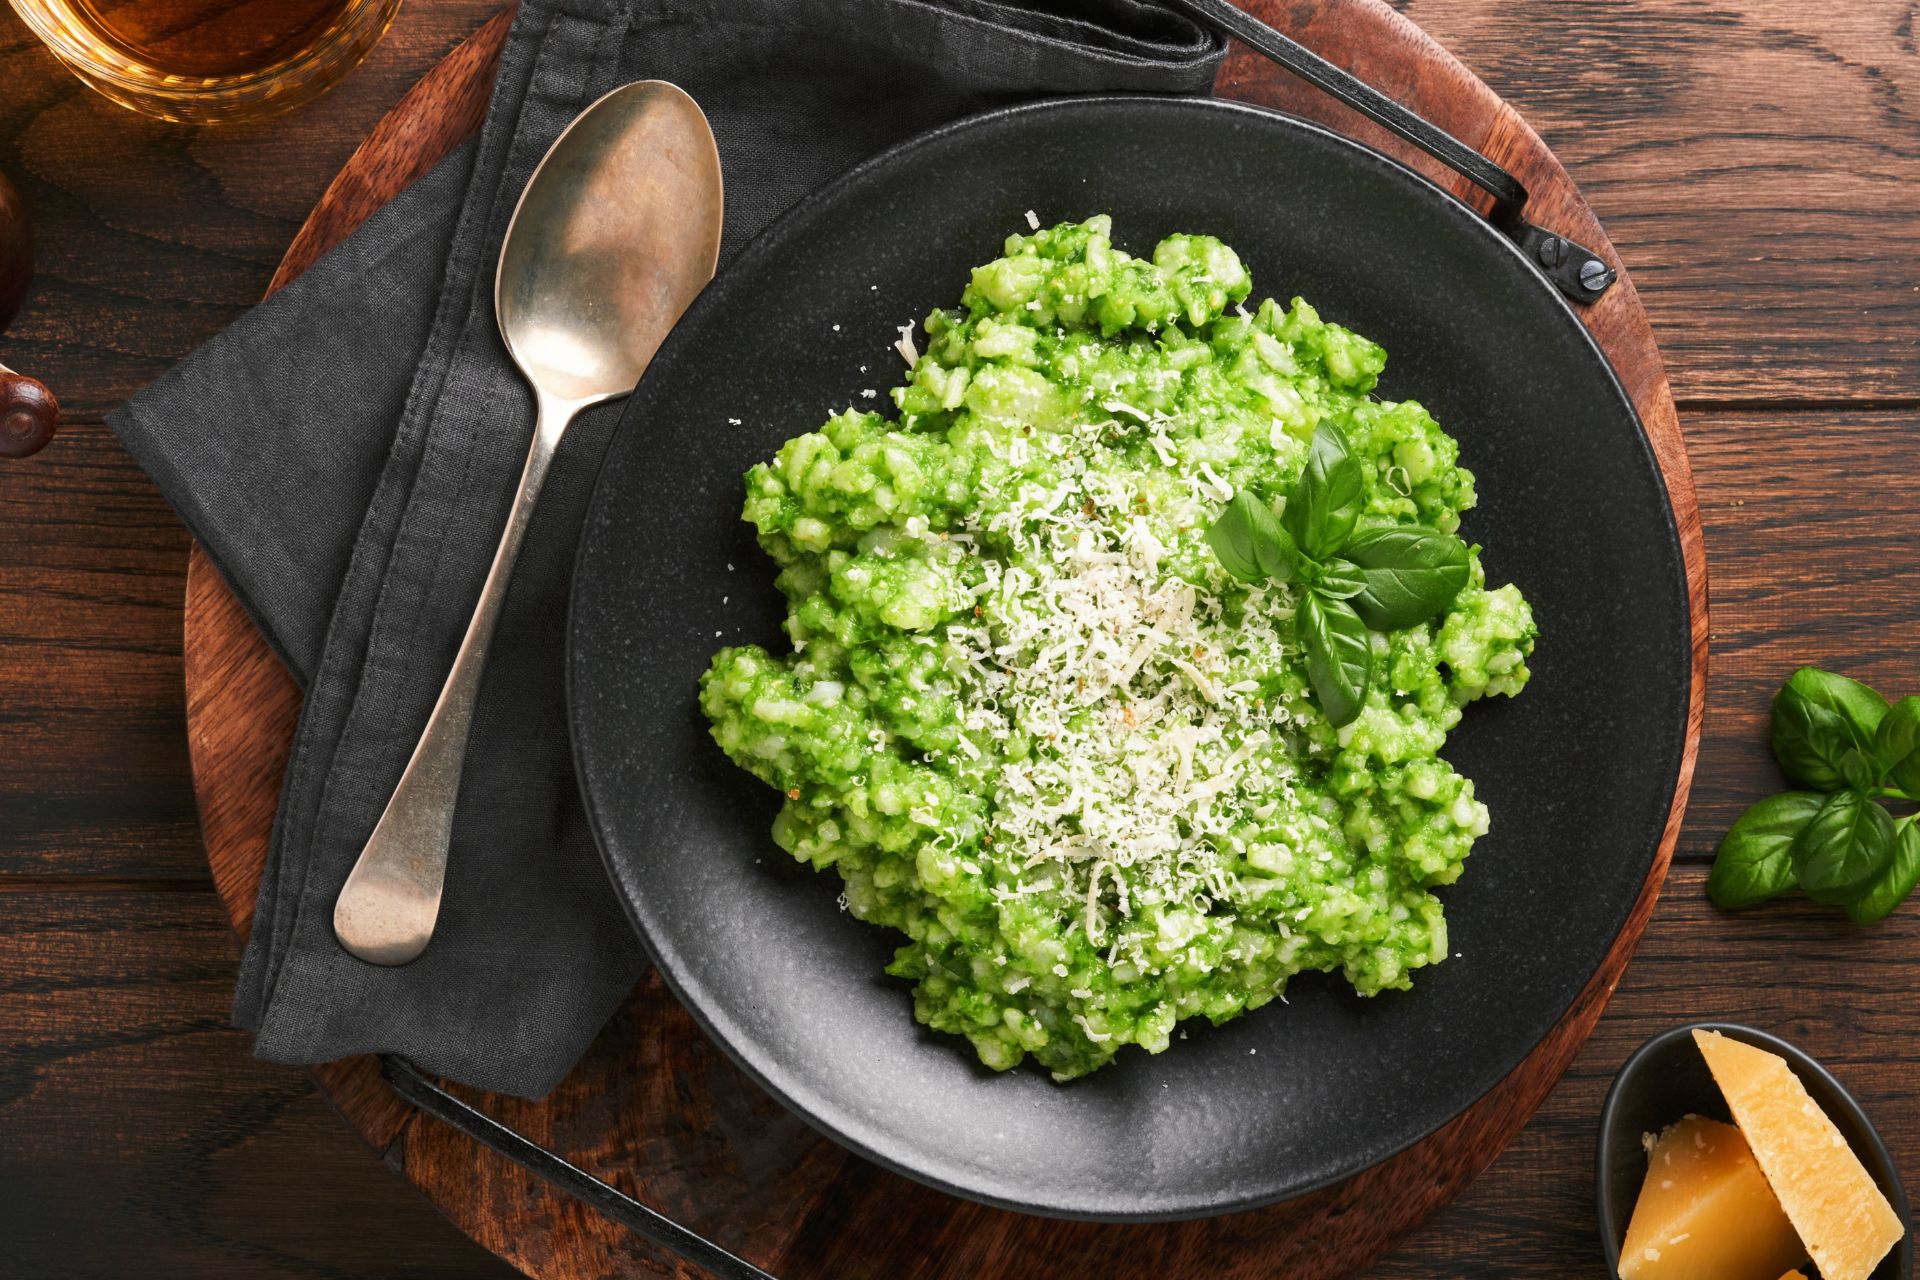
{"type": "Point", "coordinates": [657, 1110]}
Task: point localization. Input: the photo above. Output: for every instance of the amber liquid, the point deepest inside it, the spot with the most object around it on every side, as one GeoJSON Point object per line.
{"type": "Point", "coordinates": [209, 38]}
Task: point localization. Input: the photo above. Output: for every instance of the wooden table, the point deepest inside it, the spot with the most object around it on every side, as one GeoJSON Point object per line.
{"type": "Point", "coordinates": [1756, 161]}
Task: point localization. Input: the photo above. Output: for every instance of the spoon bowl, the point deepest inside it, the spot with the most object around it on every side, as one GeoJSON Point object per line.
{"type": "Point", "coordinates": [617, 231]}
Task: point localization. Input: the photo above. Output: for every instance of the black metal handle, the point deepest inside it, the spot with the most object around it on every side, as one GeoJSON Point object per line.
{"type": "Point", "coordinates": [423, 1093]}
{"type": "Point", "coordinates": [1575, 270]}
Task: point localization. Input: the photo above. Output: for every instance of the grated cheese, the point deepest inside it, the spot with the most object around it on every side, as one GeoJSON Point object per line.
{"type": "Point", "coordinates": [1091, 645]}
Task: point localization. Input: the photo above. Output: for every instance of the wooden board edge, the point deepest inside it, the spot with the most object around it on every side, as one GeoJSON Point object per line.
{"type": "Point", "coordinates": [241, 705]}
{"type": "Point", "coordinates": [1471, 110]}
{"type": "Point", "coordinates": [442, 110]}
{"type": "Point", "coordinates": [225, 674]}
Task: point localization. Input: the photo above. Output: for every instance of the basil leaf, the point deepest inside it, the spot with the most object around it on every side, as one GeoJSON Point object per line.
{"type": "Point", "coordinates": [1339, 580]}
{"type": "Point", "coordinates": [1239, 536]}
{"type": "Point", "coordinates": [1275, 551]}
{"type": "Point", "coordinates": [1817, 718]}
{"type": "Point", "coordinates": [1843, 848]}
{"type": "Point", "coordinates": [1858, 771]}
{"type": "Point", "coordinates": [1339, 655]}
{"type": "Point", "coordinates": [1412, 574]}
{"type": "Point", "coordinates": [1896, 746]}
{"type": "Point", "coordinates": [1755, 861]}
{"type": "Point", "coordinates": [1324, 504]}
{"type": "Point", "coordinates": [1891, 887]}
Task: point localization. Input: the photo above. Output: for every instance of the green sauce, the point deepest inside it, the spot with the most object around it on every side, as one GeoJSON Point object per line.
{"type": "Point", "coordinates": [1032, 723]}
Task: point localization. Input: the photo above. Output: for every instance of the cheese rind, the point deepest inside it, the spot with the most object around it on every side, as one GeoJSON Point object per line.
{"type": "Point", "coordinates": [1827, 1194]}
{"type": "Point", "coordinates": [1705, 1211]}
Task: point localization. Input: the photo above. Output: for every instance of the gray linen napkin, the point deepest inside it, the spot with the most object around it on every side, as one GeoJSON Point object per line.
{"type": "Point", "coordinates": [347, 451]}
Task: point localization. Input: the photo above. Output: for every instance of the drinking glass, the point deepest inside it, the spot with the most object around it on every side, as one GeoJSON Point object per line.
{"type": "Point", "coordinates": [209, 61]}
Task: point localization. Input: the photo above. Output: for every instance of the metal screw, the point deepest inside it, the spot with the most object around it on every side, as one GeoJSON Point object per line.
{"type": "Point", "coordinates": [1595, 275]}
{"type": "Point", "coordinates": [1552, 252]}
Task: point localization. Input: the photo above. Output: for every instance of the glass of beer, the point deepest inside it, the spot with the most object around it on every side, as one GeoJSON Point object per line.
{"type": "Point", "coordinates": [209, 61]}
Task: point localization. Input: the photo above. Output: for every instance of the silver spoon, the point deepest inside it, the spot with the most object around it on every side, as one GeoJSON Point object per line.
{"type": "Point", "coordinates": [616, 232]}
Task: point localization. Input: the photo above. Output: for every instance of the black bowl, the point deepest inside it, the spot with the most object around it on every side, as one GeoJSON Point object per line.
{"type": "Point", "coordinates": [1666, 1079]}
{"type": "Point", "coordinates": [1579, 773]}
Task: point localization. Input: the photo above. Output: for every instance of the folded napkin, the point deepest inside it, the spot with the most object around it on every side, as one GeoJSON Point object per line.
{"type": "Point", "coordinates": [347, 451]}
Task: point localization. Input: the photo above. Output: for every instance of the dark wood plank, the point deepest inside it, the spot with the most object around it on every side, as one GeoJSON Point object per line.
{"type": "Point", "coordinates": [1845, 995]}
{"type": "Point", "coordinates": [139, 1137]}
{"type": "Point", "coordinates": [663, 1111]}
{"type": "Point", "coordinates": [136, 1126]}
{"type": "Point", "coordinates": [91, 705]}
{"type": "Point", "coordinates": [1754, 160]}
{"type": "Point", "coordinates": [1754, 112]}
{"type": "Point", "coordinates": [151, 237]}
{"type": "Point", "coordinates": [1810, 521]}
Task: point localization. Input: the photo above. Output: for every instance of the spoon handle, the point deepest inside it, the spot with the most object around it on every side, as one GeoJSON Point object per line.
{"type": "Point", "coordinates": [386, 911]}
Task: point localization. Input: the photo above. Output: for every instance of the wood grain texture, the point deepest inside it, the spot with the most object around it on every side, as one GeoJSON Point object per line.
{"type": "Point", "coordinates": [1811, 520]}
{"type": "Point", "coordinates": [90, 700]}
{"type": "Point", "coordinates": [666, 1114]}
{"type": "Point", "coordinates": [1845, 995]}
{"type": "Point", "coordinates": [161, 236]}
{"type": "Point", "coordinates": [1753, 159]}
{"type": "Point", "coordinates": [1756, 161]}
{"type": "Point", "coordinates": [151, 237]}
{"type": "Point", "coordinates": [137, 1128]}
{"type": "Point", "coordinates": [137, 1138]}
{"type": "Point", "coordinates": [137, 1135]}
{"type": "Point", "coordinates": [242, 706]}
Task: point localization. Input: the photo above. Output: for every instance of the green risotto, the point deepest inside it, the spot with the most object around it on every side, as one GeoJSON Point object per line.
{"type": "Point", "coordinates": [1033, 723]}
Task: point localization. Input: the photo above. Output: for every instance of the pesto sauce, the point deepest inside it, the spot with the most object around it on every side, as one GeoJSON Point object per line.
{"type": "Point", "coordinates": [1028, 718]}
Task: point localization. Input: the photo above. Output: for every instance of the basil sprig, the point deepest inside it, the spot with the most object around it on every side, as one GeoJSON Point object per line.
{"type": "Point", "coordinates": [1896, 745]}
{"type": "Point", "coordinates": [1823, 729]}
{"type": "Point", "coordinates": [1250, 543]}
{"type": "Point", "coordinates": [1835, 840]}
{"type": "Point", "coordinates": [1355, 580]}
{"type": "Point", "coordinates": [1411, 574]}
{"type": "Point", "coordinates": [1756, 859]}
{"type": "Point", "coordinates": [1339, 655]}
{"type": "Point", "coordinates": [1843, 848]}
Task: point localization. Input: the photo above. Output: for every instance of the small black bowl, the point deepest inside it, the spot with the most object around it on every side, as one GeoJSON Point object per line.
{"type": "Point", "coordinates": [1666, 1078]}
